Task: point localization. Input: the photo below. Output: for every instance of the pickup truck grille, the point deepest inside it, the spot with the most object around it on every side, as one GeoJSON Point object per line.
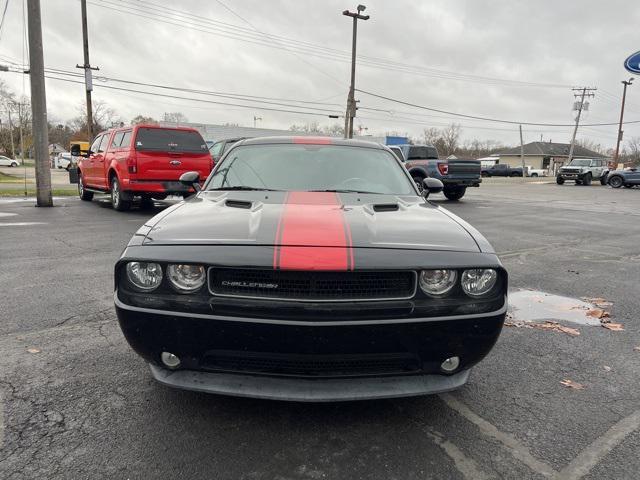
{"type": "Point", "coordinates": [312, 285]}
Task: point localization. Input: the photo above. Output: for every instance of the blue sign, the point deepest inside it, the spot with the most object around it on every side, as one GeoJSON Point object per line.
{"type": "Point", "coordinates": [633, 63]}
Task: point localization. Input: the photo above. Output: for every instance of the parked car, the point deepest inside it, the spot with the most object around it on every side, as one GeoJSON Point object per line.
{"type": "Point", "coordinates": [221, 146]}
{"type": "Point", "coordinates": [143, 161]}
{"type": "Point", "coordinates": [502, 170]}
{"type": "Point", "coordinates": [583, 171]}
{"type": "Point", "coordinates": [64, 160]}
{"type": "Point", "coordinates": [536, 172]}
{"type": "Point", "coordinates": [398, 152]}
{"type": "Point", "coordinates": [628, 178]}
{"type": "Point", "coordinates": [456, 174]}
{"type": "Point", "coordinates": [310, 269]}
{"type": "Point", "coordinates": [8, 162]}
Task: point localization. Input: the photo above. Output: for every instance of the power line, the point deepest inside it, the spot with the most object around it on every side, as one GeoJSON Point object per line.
{"type": "Point", "coordinates": [191, 22]}
{"type": "Point", "coordinates": [487, 119]}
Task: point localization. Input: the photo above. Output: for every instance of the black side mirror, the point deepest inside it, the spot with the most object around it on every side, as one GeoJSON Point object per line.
{"type": "Point", "coordinates": [431, 185]}
{"type": "Point", "coordinates": [75, 150]}
{"type": "Point", "coordinates": [191, 179]}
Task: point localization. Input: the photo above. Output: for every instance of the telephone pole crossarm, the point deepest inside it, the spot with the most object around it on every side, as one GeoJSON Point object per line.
{"type": "Point", "coordinates": [351, 102]}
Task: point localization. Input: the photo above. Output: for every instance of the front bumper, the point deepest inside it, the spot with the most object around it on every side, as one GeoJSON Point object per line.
{"type": "Point", "coordinates": [330, 361]}
{"type": "Point", "coordinates": [306, 390]}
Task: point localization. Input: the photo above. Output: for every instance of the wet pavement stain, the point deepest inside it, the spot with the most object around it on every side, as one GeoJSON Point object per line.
{"type": "Point", "coordinates": [536, 306]}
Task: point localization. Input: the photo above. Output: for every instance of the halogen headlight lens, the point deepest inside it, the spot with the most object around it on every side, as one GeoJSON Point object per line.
{"type": "Point", "coordinates": [145, 276]}
{"type": "Point", "coordinates": [186, 278]}
{"type": "Point", "coordinates": [478, 281]}
{"type": "Point", "coordinates": [437, 282]}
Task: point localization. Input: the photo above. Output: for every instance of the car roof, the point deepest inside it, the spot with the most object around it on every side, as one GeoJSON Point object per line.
{"type": "Point", "coordinates": [304, 140]}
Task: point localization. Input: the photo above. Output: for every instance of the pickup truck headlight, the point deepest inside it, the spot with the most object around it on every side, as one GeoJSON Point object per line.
{"type": "Point", "coordinates": [477, 282]}
{"type": "Point", "coordinates": [144, 276]}
{"type": "Point", "coordinates": [186, 278]}
{"type": "Point", "coordinates": [437, 282]}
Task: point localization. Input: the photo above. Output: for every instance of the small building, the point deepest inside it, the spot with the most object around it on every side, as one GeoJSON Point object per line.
{"type": "Point", "coordinates": [545, 155]}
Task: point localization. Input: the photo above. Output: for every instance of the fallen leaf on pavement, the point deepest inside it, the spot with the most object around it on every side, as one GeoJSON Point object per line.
{"type": "Point", "coordinates": [616, 327]}
{"type": "Point", "coordinates": [571, 384]}
{"type": "Point", "coordinates": [637, 349]}
{"type": "Point", "coordinates": [596, 313]}
{"type": "Point", "coordinates": [606, 368]}
{"type": "Point", "coordinates": [556, 327]}
{"type": "Point", "coordinates": [33, 350]}
{"type": "Point", "coordinates": [600, 302]}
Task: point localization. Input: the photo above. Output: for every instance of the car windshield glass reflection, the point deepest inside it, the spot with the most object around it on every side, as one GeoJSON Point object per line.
{"type": "Point", "coordinates": [294, 167]}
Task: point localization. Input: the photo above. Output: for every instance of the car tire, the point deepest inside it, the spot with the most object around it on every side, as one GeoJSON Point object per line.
{"type": "Point", "coordinates": [534, 175]}
{"type": "Point", "coordinates": [560, 180]}
{"type": "Point", "coordinates": [82, 193]}
{"type": "Point", "coordinates": [603, 179]}
{"type": "Point", "coordinates": [586, 180]}
{"type": "Point", "coordinates": [118, 203]}
{"type": "Point", "coordinates": [514, 174]}
{"type": "Point", "coordinates": [616, 181]}
{"type": "Point", "coordinates": [455, 194]}
{"type": "Point", "coordinates": [418, 181]}
{"type": "Point", "coordinates": [146, 203]}
{"type": "Point", "coordinates": [13, 164]}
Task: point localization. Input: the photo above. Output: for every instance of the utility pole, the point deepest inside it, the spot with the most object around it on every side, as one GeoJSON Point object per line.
{"type": "Point", "coordinates": [522, 155]}
{"type": "Point", "coordinates": [585, 92]}
{"type": "Point", "coordinates": [351, 101]}
{"type": "Point", "coordinates": [624, 97]}
{"type": "Point", "coordinates": [13, 148]}
{"type": "Point", "coordinates": [88, 77]}
{"type": "Point", "coordinates": [39, 106]}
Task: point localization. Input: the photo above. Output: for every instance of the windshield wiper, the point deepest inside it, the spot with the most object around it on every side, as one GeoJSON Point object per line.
{"type": "Point", "coordinates": [344, 191]}
{"type": "Point", "coordinates": [243, 187]}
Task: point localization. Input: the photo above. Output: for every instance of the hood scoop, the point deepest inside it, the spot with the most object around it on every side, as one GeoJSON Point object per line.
{"type": "Point", "coordinates": [238, 204]}
{"type": "Point", "coordinates": [386, 207]}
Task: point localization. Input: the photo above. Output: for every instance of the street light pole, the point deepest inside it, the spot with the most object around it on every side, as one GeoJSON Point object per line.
{"type": "Point", "coordinates": [624, 97]}
{"type": "Point", "coordinates": [88, 69]}
{"type": "Point", "coordinates": [351, 101]}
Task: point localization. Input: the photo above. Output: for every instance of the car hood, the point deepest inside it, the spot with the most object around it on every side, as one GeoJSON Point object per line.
{"type": "Point", "coordinates": [310, 219]}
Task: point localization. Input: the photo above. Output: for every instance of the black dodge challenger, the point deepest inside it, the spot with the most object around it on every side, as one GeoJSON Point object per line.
{"type": "Point", "coordinates": [310, 269]}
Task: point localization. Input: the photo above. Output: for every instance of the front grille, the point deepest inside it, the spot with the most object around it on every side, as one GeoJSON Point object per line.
{"type": "Point", "coordinates": [311, 285]}
{"type": "Point", "coordinates": [311, 365]}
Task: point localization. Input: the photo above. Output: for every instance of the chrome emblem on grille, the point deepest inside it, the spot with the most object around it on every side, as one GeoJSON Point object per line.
{"type": "Point", "coordinates": [271, 286]}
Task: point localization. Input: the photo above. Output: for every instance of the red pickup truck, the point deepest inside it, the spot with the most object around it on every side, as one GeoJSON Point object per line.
{"type": "Point", "coordinates": [143, 161]}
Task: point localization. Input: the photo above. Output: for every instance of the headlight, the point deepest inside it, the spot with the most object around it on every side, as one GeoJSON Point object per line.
{"type": "Point", "coordinates": [186, 278]}
{"type": "Point", "coordinates": [478, 281]}
{"type": "Point", "coordinates": [145, 276]}
{"type": "Point", "coordinates": [437, 282]}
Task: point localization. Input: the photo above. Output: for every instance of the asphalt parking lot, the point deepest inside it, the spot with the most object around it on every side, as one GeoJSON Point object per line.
{"type": "Point", "coordinates": [78, 403]}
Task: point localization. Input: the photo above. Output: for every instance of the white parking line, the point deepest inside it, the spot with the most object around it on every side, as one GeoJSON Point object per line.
{"type": "Point", "coordinates": [465, 465]}
{"type": "Point", "coordinates": [594, 453]}
{"type": "Point", "coordinates": [512, 445]}
{"type": "Point", "coordinates": [21, 224]}
{"type": "Point", "coordinates": [5, 214]}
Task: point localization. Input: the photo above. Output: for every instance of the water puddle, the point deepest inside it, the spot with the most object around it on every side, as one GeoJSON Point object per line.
{"type": "Point", "coordinates": [536, 306]}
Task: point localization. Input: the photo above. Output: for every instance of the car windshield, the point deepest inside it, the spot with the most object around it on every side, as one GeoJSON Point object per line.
{"type": "Point", "coordinates": [293, 167]}
{"type": "Point", "coordinates": [580, 163]}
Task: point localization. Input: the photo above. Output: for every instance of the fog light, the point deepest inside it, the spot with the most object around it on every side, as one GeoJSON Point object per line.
{"type": "Point", "coordinates": [450, 364]}
{"type": "Point", "coordinates": [170, 360]}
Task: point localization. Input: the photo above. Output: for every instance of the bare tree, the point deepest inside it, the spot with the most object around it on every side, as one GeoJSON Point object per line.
{"type": "Point", "coordinates": [632, 150]}
{"type": "Point", "coordinates": [142, 119]}
{"type": "Point", "coordinates": [431, 135]}
{"type": "Point", "coordinates": [450, 138]}
{"type": "Point", "coordinates": [175, 117]}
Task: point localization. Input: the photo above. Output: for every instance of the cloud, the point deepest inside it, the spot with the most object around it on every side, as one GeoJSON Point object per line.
{"type": "Point", "coordinates": [540, 42]}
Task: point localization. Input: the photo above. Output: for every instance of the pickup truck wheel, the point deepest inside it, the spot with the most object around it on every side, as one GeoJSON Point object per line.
{"type": "Point", "coordinates": [603, 179]}
{"type": "Point", "coordinates": [146, 203]}
{"type": "Point", "coordinates": [616, 181]}
{"type": "Point", "coordinates": [560, 180]}
{"type": "Point", "coordinates": [587, 180]}
{"type": "Point", "coordinates": [419, 183]}
{"type": "Point", "coordinates": [455, 194]}
{"type": "Point", "coordinates": [82, 193]}
{"type": "Point", "coordinates": [534, 175]}
{"type": "Point", "coordinates": [515, 174]}
{"type": "Point", "coordinates": [117, 201]}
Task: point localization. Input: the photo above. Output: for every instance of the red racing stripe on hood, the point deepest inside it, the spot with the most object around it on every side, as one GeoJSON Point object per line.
{"type": "Point", "coordinates": [313, 234]}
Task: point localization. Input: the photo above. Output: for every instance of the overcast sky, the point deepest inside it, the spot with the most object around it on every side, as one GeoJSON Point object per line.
{"type": "Point", "coordinates": [440, 49]}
